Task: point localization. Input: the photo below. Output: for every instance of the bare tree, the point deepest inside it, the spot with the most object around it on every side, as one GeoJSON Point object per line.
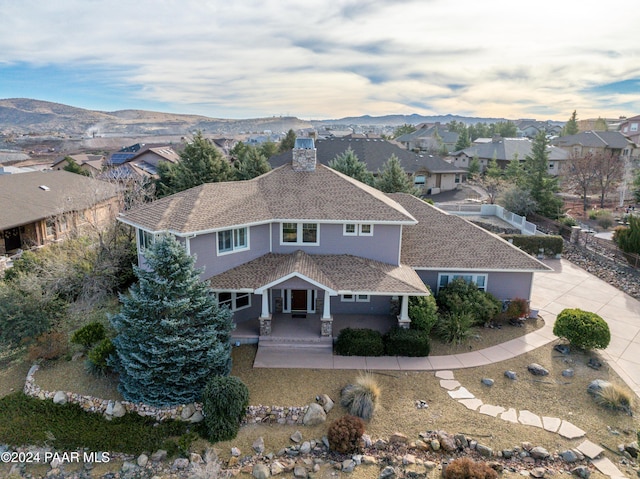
{"type": "Point", "coordinates": [580, 172]}
{"type": "Point", "coordinates": [609, 172]}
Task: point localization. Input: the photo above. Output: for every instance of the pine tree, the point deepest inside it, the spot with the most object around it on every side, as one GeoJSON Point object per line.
{"type": "Point", "coordinates": [393, 178]}
{"type": "Point", "coordinates": [349, 164]}
{"type": "Point", "coordinates": [493, 170]}
{"type": "Point", "coordinates": [571, 126]}
{"type": "Point", "coordinates": [200, 162]}
{"type": "Point", "coordinates": [537, 180]}
{"type": "Point", "coordinates": [250, 164]}
{"type": "Point", "coordinates": [474, 167]}
{"type": "Point", "coordinates": [171, 334]}
{"type": "Point", "coordinates": [463, 141]}
{"type": "Point", "coordinates": [73, 167]}
{"type": "Point", "coordinates": [288, 142]}
{"type": "Point", "coordinates": [513, 171]}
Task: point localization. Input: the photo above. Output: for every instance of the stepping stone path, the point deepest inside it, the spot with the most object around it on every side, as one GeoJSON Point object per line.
{"type": "Point", "coordinates": [527, 418]}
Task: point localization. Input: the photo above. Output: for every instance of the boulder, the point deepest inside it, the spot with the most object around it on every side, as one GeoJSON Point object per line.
{"type": "Point", "coordinates": [276, 468]}
{"type": "Point", "coordinates": [305, 447]}
{"type": "Point", "coordinates": [348, 465]}
{"type": "Point", "coordinates": [538, 472]}
{"type": "Point", "coordinates": [60, 397]}
{"type": "Point", "coordinates": [511, 375]}
{"type": "Point", "coordinates": [398, 438]}
{"type": "Point", "coordinates": [300, 472]}
{"type": "Point", "coordinates": [632, 449]}
{"type": "Point", "coordinates": [196, 417]}
{"type": "Point", "coordinates": [258, 445]}
{"type": "Point", "coordinates": [447, 441]}
{"type": "Point", "coordinates": [387, 473]}
{"type": "Point", "coordinates": [562, 348]}
{"type": "Point", "coordinates": [296, 437]}
{"type": "Point", "coordinates": [315, 415]}
{"type": "Point", "coordinates": [326, 402]}
{"type": "Point", "coordinates": [159, 455]}
{"type": "Point", "coordinates": [597, 385]}
{"type": "Point", "coordinates": [539, 452]}
{"type": "Point", "coordinates": [142, 460]}
{"type": "Point", "coordinates": [260, 471]}
{"type": "Point", "coordinates": [568, 456]}
{"type": "Point", "coordinates": [568, 373]}
{"type": "Point", "coordinates": [118, 409]}
{"type": "Point", "coordinates": [187, 411]}
{"type": "Point", "coordinates": [581, 471]}
{"type": "Point", "coordinates": [484, 451]}
{"type": "Point", "coordinates": [181, 463]}
{"type": "Point", "coordinates": [235, 452]}
{"type": "Point", "coordinates": [537, 370]}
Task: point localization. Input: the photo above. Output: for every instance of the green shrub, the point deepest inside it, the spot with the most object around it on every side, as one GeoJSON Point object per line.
{"type": "Point", "coordinates": [582, 329]}
{"type": "Point", "coordinates": [224, 403]}
{"type": "Point", "coordinates": [605, 220]}
{"type": "Point", "coordinates": [628, 238]}
{"type": "Point", "coordinates": [51, 345]}
{"type": "Point", "coordinates": [568, 221]}
{"type": "Point", "coordinates": [359, 342]}
{"type": "Point", "coordinates": [361, 398]}
{"type": "Point", "coordinates": [454, 327]}
{"type": "Point", "coordinates": [466, 468]}
{"type": "Point", "coordinates": [407, 342]}
{"type": "Point", "coordinates": [98, 359]}
{"type": "Point", "coordinates": [593, 214]}
{"type": "Point", "coordinates": [345, 434]}
{"type": "Point", "coordinates": [27, 420]}
{"type": "Point", "coordinates": [532, 244]}
{"type": "Point", "coordinates": [423, 311]}
{"type": "Point", "coordinates": [460, 297]}
{"type": "Point", "coordinates": [89, 334]}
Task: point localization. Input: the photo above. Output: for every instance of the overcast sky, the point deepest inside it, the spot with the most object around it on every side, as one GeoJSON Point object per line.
{"type": "Point", "coordinates": [326, 58]}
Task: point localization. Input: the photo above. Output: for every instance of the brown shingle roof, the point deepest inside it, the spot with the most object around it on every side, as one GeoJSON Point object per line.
{"type": "Point", "coordinates": [443, 241]}
{"type": "Point", "coordinates": [341, 273]}
{"type": "Point", "coordinates": [22, 201]}
{"type": "Point", "coordinates": [281, 194]}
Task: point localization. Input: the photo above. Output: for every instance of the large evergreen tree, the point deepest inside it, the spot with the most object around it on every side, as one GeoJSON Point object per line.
{"type": "Point", "coordinates": [571, 127]}
{"type": "Point", "coordinates": [73, 167]}
{"type": "Point", "coordinates": [250, 164]}
{"type": "Point", "coordinates": [200, 162]}
{"type": "Point", "coordinates": [349, 164]}
{"type": "Point", "coordinates": [537, 180]}
{"type": "Point", "coordinates": [171, 334]}
{"type": "Point", "coordinates": [288, 142]}
{"type": "Point", "coordinates": [393, 178]}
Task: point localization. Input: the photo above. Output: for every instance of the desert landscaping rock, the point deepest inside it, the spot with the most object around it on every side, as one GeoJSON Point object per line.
{"type": "Point", "coordinates": [258, 445]}
{"type": "Point", "coordinates": [539, 452]}
{"type": "Point", "coordinates": [196, 417]}
{"type": "Point", "coordinates": [159, 455]}
{"type": "Point", "coordinates": [261, 471]}
{"type": "Point", "coordinates": [597, 385]}
{"type": "Point", "coordinates": [484, 451]}
{"type": "Point", "coordinates": [315, 415]}
{"type": "Point", "coordinates": [487, 381]}
{"type": "Point", "coordinates": [181, 463]}
{"type": "Point", "coordinates": [326, 402]}
{"type": "Point", "coordinates": [60, 398]}
{"type": "Point", "coordinates": [398, 438]}
{"type": "Point", "coordinates": [142, 460]}
{"type": "Point", "coordinates": [511, 375]}
{"type": "Point", "coordinates": [387, 473]}
{"type": "Point", "coordinates": [187, 411]}
{"type": "Point", "coordinates": [118, 409]}
{"type": "Point", "coordinates": [562, 349]}
{"type": "Point", "coordinates": [582, 472]}
{"type": "Point", "coordinates": [568, 373]}
{"type": "Point", "coordinates": [537, 370]}
{"type": "Point", "coordinates": [296, 437]}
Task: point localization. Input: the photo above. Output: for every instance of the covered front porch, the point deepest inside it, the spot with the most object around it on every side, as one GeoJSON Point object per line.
{"type": "Point", "coordinates": [288, 326]}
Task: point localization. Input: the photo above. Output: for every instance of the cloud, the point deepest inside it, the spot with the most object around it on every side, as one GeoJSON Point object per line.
{"type": "Point", "coordinates": [329, 59]}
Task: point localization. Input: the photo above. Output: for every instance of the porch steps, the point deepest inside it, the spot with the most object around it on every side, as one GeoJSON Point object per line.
{"type": "Point", "coordinates": [291, 342]}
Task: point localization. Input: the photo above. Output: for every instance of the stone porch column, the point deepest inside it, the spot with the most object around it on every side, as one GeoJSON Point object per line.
{"type": "Point", "coordinates": [265, 316]}
{"type": "Point", "coordinates": [326, 327]}
{"type": "Point", "coordinates": [403, 319]}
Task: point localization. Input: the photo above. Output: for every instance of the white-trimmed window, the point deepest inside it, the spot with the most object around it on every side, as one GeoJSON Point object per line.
{"type": "Point", "coordinates": [233, 240]}
{"type": "Point", "coordinates": [634, 127]}
{"type": "Point", "coordinates": [357, 229]}
{"type": "Point", "coordinates": [480, 280]}
{"type": "Point", "coordinates": [234, 301]}
{"type": "Point", "coordinates": [358, 298]}
{"type": "Point", "coordinates": [299, 233]}
{"type": "Point", "coordinates": [145, 239]}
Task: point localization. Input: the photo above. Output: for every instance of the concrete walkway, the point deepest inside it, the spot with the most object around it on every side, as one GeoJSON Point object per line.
{"type": "Point", "coordinates": [568, 286]}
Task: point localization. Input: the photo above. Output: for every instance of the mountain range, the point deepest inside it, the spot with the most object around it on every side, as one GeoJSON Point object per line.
{"type": "Point", "coordinates": [22, 116]}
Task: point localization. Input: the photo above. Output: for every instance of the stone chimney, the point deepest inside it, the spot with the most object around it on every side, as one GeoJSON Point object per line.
{"type": "Point", "coordinates": [304, 155]}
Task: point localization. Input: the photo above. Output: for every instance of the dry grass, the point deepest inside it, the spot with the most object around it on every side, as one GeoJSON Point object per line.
{"type": "Point", "coordinates": [553, 395]}
{"type": "Point", "coordinates": [616, 397]}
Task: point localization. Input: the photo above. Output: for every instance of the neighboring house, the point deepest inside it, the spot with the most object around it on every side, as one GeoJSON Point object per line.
{"type": "Point", "coordinates": [630, 127]}
{"type": "Point", "coordinates": [141, 164]}
{"type": "Point", "coordinates": [598, 142]}
{"type": "Point", "coordinates": [14, 170]}
{"type": "Point", "coordinates": [431, 173]}
{"type": "Point", "coordinates": [504, 150]}
{"type": "Point", "coordinates": [531, 128]}
{"type": "Point", "coordinates": [45, 206]}
{"type": "Point", "coordinates": [306, 241]}
{"type": "Point", "coordinates": [429, 138]}
{"type": "Point", "coordinates": [92, 164]}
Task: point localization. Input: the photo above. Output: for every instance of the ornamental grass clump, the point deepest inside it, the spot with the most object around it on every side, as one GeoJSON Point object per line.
{"type": "Point", "coordinates": [583, 329]}
{"type": "Point", "coordinates": [616, 397]}
{"type": "Point", "coordinates": [361, 398]}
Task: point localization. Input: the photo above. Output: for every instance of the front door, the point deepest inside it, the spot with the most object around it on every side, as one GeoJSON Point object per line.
{"type": "Point", "coordinates": [12, 239]}
{"type": "Point", "coordinates": [299, 300]}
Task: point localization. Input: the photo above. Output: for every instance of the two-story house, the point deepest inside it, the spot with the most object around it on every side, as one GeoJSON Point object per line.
{"type": "Point", "coordinates": [304, 240]}
{"type": "Point", "coordinates": [604, 143]}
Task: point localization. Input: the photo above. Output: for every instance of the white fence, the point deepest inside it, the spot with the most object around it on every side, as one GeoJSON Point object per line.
{"type": "Point", "coordinates": [513, 219]}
